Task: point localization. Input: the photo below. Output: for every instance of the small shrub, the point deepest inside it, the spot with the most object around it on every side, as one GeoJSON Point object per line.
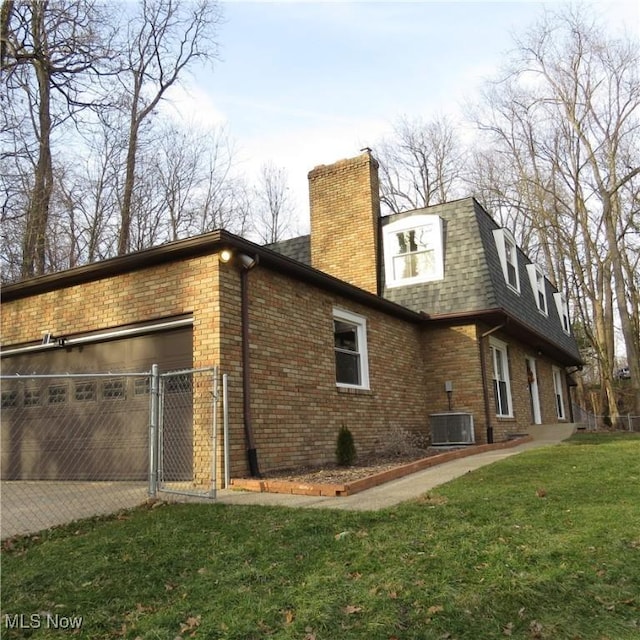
{"type": "Point", "coordinates": [402, 442]}
{"type": "Point", "coordinates": [345, 448]}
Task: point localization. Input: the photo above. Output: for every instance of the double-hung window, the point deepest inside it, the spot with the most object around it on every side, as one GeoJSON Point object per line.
{"type": "Point", "coordinates": [350, 346]}
{"type": "Point", "coordinates": [413, 250]}
{"type": "Point", "coordinates": [413, 254]}
{"type": "Point", "coordinates": [563, 312]}
{"type": "Point", "coordinates": [508, 254]}
{"type": "Point", "coordinates": [557, 388]}
{"type": "Point", "coordinates": [539, 287]}
{"type": "Point", "coordinates": [501, 383]}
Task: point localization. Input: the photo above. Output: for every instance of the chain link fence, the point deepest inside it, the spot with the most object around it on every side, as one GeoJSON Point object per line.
{"type": "Point", "coordinates": [187, 433]}
{"type": "Point", "coordinates": [79, 445]}
{"type": "Point", "coordinates": [592, 422]}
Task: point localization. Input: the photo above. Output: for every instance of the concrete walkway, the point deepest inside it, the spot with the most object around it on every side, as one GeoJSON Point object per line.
{"type": "Point", "coordinates": [407, 488]}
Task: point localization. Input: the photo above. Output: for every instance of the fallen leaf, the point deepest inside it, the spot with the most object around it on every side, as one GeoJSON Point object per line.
{"type": "Point", "coordinates": [437, 608]}
{"type": "Point", "coordinates": [289, 616]}
{"type": "Point", "coordinates": [535, 628]}
{"type": "Point", "coordinates": [190, 624]}
{"type": "Point", "coordinates": [351, 609]}
{"type": "Point", "coordinates": [508, 629]}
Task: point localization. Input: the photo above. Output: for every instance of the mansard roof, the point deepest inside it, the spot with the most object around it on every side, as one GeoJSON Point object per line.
{"type": "Point", "coordinates": [473, 287]}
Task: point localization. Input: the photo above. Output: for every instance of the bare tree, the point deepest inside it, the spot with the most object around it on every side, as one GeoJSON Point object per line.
{"type": "Point", "coordinates": [272, 208]}
{"type": "Point", "coordinates": [420, 164]}
{"type": "Point", "coordinates": [162, 41]}
{"type": "Point", "coordinates": [193, 169]}
{"type": "Point", "coordinates": [49, 51]}
{"type": "Point", "coordinates": [567, 120]}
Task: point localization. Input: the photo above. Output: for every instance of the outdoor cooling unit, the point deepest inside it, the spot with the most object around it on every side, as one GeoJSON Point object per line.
{"type": "Point", "coordinates": [451, 429]}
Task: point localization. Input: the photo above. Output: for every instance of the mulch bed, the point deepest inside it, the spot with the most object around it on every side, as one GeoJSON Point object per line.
{"type": "Point", "coordinates": [331, 473]}
{"type": "Point", "coordinates": [332, 480]}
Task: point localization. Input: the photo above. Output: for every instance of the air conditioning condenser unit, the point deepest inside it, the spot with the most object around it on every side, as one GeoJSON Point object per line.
{"type": "Point", "coordinates": [451, 428]}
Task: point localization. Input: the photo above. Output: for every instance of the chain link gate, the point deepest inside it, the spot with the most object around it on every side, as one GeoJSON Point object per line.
{"type": "Point", "coordinates": [184, 432]}
{"type": "Point", "coordinates": [78, 445]}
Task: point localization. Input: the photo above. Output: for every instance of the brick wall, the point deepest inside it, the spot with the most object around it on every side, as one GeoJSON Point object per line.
{"type": "Point", "coordinates": [453, 354]}
{"type": "Point", "coordinates": [139, 296]}
{"type": "Point", "coordinates": [345, 208]}
{"type": "Point", "coordinates": [189, 286]}
{"type": "Point", "coordinates": [296, 407]}
{"type": "Point", "coordinates": [517, 353]}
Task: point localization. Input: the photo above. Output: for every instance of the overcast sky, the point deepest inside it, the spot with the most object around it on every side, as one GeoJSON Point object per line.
{"type": "Point", "coordinates": [308, 83]}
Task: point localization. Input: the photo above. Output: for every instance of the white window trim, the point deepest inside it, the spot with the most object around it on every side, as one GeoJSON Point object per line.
{"type": "Point", "coordinates": [536, 277]}
{"type": "Point", "coordinates": [360, 323]}
{"type": "Point", "coordinates": [563, 312]}
{"type": "Point", "coordinates": [502, 347]}
{"type": "Point", "coordinates": [500, 236]}
{"type": "Point", "coordinates": [406, 224]}
{"type": "Point", "coordinates": [558, 389]}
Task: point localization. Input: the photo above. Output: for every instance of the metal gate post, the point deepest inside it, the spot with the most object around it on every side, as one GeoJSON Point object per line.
{"type": "Point", "coordinates": [214, 438]}
{"type": "Point", "coordinates": [225, 418]}
{"type": "Point", "coordinates": [154, 416]}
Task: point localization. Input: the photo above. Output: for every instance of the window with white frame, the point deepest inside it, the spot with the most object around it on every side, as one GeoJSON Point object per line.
{"type": "Point", "coordinates": [413, 250]}
{"type": "Point", "coordinates": [350, 345]}
{"type": "Point", "coordinates": [557, 388]}
{"type": "Point", "coordinates": [563, 312]}
{"type": "Point", "coordinates": [539, 287]}
{"type": "Point", "coordinates": [501, 383]}
{"type": "Point", "coordinates": [508, 254]}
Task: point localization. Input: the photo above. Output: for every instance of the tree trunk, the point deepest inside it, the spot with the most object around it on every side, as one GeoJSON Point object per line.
{"type": "Point", "coordinates": [124, 237]}
{"type": "Point", "coordinates": [628, 333]}
{"type": "Point", "coordinates": [34, 244]}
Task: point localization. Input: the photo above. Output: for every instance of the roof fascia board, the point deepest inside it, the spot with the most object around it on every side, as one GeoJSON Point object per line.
{"type": "Point", "coordinates": [197, 246]}
{"type": "Point", "coordinates": [179, 249]}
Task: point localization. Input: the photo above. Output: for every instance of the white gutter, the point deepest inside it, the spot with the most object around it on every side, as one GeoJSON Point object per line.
{"type": "Point", "coordinates": [99, 337]}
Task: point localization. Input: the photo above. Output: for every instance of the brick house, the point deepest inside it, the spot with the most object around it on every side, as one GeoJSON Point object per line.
{"type": "Point", "coordinates": [376, 323]}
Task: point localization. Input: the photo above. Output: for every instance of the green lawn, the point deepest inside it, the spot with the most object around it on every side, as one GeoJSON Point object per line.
{"type": "Point", "coordinates": [545, 544]}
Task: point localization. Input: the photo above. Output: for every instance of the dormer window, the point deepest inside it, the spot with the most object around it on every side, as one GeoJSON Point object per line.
{"type": "Point", "coordinates": [508, 253]}
{"type": "Point", "coordinates": [413, 250]}
{"type": "Point", "coordinates": [563, 312]}
{"type": "Point", "coordinates": [538, 285]}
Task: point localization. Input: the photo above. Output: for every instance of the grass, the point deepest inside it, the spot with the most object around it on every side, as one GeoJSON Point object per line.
{"type": "Point", "coordinates": [545, 544]}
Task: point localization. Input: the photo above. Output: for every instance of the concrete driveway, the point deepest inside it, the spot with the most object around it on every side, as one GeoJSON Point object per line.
{"type": "Point", "coordinates": [30, 506]}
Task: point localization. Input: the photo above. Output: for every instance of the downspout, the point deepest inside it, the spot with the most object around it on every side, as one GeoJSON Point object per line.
{"type": "Point", "coordinates": [252, 454]}
{"type": "Point", "coordinates": [485, 382]}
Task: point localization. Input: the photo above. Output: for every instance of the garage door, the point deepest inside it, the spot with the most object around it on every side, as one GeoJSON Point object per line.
{"type": "Point", "coordinates": [88, 428]}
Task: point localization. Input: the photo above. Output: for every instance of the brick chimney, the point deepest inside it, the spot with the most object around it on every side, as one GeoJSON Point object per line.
{"type": "Point", "coordinates": [345, 210]}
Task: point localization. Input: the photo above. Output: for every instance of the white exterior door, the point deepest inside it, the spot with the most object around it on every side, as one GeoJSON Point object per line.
{"type": "Point", "coordinates": [534, 394]}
